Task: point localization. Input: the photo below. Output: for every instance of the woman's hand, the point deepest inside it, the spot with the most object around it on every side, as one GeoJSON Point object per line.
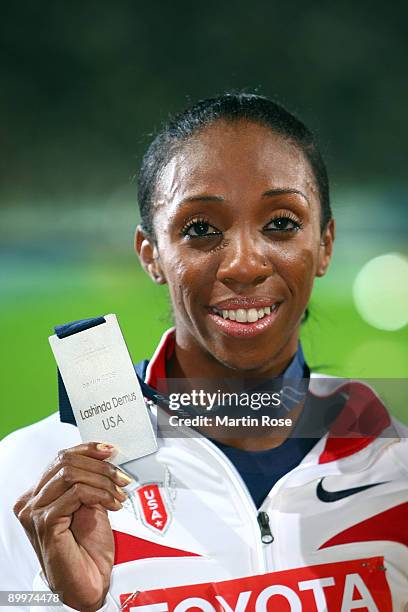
{"type": "Point", "coordinates": [65, 517]}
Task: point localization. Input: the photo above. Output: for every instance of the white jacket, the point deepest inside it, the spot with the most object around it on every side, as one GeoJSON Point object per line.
{"type": "Point", "coordinates": [191, 521]}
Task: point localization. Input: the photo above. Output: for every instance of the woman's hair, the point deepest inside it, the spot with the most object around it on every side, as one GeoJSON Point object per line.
{"type": "Point", "coordinates": [229, 107]}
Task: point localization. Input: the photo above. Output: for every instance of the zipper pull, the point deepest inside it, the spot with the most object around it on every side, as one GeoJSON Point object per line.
{"type": "Point", "coordinates": [266, 533]}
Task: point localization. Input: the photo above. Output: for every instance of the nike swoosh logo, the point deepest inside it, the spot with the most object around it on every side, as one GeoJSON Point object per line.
{"type": "Point", "coordinates": [333, 496]}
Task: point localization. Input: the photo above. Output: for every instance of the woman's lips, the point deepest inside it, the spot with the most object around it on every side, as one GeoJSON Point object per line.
{"type": "Point", "coordinates": [245, 330]}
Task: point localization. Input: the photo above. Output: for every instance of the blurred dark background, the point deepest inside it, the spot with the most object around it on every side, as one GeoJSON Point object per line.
{"type": "Point", "coordinates": [83, 85]}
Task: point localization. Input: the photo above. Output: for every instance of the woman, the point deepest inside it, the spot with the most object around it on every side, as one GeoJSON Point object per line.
{"type": "Point", "coordinates": [236, 220]}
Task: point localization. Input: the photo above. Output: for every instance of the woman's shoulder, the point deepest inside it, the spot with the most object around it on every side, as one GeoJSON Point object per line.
{"type": "Point", "coordinates": [364, 411]}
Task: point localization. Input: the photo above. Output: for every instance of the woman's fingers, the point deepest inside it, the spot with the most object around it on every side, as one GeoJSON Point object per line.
{"type": "Point", "coordinates": [85, 473]}
{"type": "Point", "coordinates": [92, 457]}
{"type": "Point", "coordinates": [68, 476]}
{"type": "Point", "coordinates": [45, 517]}
{"type": "Point", "coordinates": [65, 514]}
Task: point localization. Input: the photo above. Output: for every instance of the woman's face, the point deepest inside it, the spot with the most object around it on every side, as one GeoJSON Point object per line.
{"type": "Point", "coordinates": [237, 220]}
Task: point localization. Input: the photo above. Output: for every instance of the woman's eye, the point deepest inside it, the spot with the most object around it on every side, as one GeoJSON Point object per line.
{"type": "Point", "coordinates": [200, 229]}
{"type": "Point", "coordinates": [283, 224]}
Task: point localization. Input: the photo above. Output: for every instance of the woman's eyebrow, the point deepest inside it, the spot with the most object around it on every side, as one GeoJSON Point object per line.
{"type": "Point", "coordinates": [277, 192]}
{"type": "Point", "coordinates": [201, 198]}
{"type": "Point", "coordinates": [204, 197]}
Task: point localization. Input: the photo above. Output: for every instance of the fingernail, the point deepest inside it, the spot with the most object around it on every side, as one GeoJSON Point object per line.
{"type": "Point", "coordinates": [118, 504]}
{"type": "Point", "coordinates": [104, 447]}
{"type": "Point", "coordinates": [121, 491]}
{"type": "Point", "coordinates": [123, 478]}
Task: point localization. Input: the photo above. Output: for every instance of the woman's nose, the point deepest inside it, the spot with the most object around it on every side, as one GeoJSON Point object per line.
{"type": "Point", "coordinates": [244, 261]}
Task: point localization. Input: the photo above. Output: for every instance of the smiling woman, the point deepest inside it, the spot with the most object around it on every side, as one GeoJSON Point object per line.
{"type": "Point", "coordinates": [236, 220]}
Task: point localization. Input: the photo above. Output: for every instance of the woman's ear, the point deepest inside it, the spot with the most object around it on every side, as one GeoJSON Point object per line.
{"type": "Point", "coordinates": [326, 247]}
{"type": "Point", "coordinates": [149, 256]}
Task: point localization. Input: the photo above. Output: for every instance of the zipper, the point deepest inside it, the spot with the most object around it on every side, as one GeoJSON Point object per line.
{"type": "Point", "coordinates": [266, 533]}
{"type": "Point", "coordinates": [267, 556]}
{"type": "Point", "coordinates": [244, 495]}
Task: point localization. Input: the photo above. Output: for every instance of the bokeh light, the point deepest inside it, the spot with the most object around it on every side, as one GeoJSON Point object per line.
{"type": "Point", "coordinates": [380, 292]}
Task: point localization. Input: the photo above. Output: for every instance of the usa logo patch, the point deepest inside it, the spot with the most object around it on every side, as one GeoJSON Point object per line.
{"type": "Point", "coordinates": [155, 513]}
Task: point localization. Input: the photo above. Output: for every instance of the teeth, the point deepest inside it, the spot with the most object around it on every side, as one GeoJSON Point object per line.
{"type": "Point", "coordinates": [252, 315]}
{"type": "Point", "coordinates": [246, 315]}
{"type": "Point", "coordinates": [241, 315]}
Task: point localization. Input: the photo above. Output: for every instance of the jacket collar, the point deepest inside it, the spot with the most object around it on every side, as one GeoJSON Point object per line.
{"type": "Point", "coordinates": [360, 422]}
{"type": "Point", "coordinates": [156, 368]}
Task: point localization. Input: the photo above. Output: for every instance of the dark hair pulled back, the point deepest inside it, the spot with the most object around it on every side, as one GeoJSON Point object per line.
{"type": "Point", "coordinates": [229, 107]}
